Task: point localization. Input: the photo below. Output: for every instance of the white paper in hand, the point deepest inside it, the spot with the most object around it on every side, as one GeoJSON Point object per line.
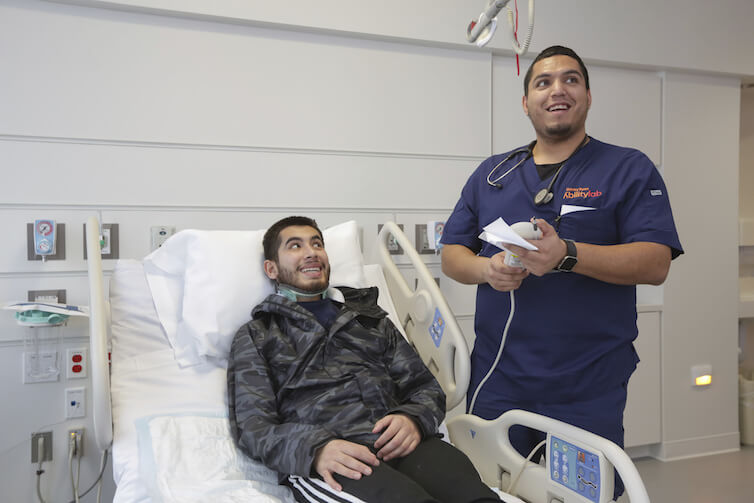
{"type": "Point", "coordinates": [499, 233]}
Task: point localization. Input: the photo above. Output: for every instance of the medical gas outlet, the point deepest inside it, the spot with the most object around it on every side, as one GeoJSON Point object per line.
{"type": "Point", "coordinates": [45, 240]}
{"type": "Point", "coordinates": [44, 237]}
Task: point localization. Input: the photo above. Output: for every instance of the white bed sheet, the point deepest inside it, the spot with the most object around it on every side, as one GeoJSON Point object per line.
{"type": "Point", "coordinates": [168, 446]}
{"type": "Point", "coordinates": [146, 380]}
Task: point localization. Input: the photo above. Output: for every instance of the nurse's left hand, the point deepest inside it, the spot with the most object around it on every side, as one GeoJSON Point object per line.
{"type": "Point", "coordinates": [550, 251]}
{"type": "Point", "coordinates": [400, 437]}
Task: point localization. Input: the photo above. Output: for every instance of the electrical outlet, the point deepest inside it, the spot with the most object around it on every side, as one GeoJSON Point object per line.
{"type": "Point", "coordinates": [75, 363]}
{"type": "Point", "coordinates": [76, 439]}
{"type": "Point", "coordinates": [75, 402]}
{"type": "Point", "coordinates": [159, 234]}
{"type": "Point", "coordinates": [392, 245]}
{"type": "Point", "coordinates": [46, 437]}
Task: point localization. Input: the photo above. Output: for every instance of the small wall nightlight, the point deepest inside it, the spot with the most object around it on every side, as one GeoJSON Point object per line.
{"type": "Point", "coordinates": [701, 375]}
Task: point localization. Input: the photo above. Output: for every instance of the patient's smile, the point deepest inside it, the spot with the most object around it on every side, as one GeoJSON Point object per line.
{"type": "Point", "coordinates": [312, 270]}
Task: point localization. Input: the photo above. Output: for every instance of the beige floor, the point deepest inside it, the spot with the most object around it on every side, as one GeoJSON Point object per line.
{"type": "Point", "coordinates": [724, 478]}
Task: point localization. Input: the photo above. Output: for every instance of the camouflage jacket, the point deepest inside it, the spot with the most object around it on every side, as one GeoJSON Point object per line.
{"type": "Point", "coordinates": [293, 386]}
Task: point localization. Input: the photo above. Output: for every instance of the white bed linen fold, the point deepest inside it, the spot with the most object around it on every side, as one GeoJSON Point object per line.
{"type": "Point", "coordinates": [189, 457]}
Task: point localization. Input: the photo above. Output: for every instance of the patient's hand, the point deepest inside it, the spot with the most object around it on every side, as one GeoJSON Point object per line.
{"type": "Point", "coordinates": [344, 458]}
{"type": "Point", "coordinates": [400, 437]}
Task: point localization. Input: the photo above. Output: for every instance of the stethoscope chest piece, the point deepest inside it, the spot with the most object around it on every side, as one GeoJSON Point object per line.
{"type": "Point", "coordinates": [544, 196]}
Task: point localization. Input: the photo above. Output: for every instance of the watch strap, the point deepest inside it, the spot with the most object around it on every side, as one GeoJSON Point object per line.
{"type": "Point", "coordinates": [570, 259]}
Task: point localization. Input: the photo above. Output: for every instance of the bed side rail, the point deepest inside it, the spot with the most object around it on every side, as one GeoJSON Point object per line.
{"type": "Point", "coordinates": [487, 444]}
{"type": "Point", "coordinates": [98, 330]}
{"type": "Point", "coordinates": [426, 318]}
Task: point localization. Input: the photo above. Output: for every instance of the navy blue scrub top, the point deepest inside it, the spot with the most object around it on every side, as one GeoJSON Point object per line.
{"type": "Point", "coordinates": [571, 336]}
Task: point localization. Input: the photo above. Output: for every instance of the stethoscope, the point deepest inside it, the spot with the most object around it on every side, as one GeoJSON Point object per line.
{"type": "Point", "coordinates": [543, 196]}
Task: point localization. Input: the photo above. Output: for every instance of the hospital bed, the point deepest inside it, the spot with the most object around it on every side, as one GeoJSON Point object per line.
{"type": "Point", "coordinates": [160, 402]}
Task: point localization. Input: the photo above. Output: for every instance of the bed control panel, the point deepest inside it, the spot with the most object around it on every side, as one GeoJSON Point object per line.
{"type": "Point", "coordinates": [585, 473]}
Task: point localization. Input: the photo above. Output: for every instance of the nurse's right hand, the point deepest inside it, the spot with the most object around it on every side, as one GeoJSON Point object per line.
{"type": "Point", "coordinates": [502, 277]}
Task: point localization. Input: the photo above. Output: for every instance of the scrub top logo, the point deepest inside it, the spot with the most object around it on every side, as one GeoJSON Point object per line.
{"type": "Point", "coordinates": [581, 193]}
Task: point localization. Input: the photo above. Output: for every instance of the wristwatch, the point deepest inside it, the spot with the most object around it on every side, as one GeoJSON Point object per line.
{"type": "Point", "coordinates": [570, 260]}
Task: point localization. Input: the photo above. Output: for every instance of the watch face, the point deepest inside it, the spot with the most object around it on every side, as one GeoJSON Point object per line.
{"type": "Point", "coordinates": [567, 264]}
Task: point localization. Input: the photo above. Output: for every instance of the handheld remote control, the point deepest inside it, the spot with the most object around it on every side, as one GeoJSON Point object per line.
{"type": "Point", "coordinates": [527, 230]}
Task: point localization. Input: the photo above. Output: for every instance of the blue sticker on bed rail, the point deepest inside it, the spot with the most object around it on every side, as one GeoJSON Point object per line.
{"type": "Point", "coordinates": [437, 328]}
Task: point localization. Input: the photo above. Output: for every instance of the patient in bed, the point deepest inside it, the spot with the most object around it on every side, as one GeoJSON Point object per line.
{"type": "Point", "coordinates": [324, 389]}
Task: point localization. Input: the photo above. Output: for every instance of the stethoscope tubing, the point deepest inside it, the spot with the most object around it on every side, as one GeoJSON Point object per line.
{"type": "Point", "coordinates": [543, 196]}
{"type": "Point", "coordinates": [494, 183]}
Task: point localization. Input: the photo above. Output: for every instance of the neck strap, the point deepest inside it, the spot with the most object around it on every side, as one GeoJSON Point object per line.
{"type": "Point", "coordinates": [292, 293]}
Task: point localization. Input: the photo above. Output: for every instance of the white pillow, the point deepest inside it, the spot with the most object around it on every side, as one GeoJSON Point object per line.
{"type": "Point", "coordinates": [344, 251]}
{"type": "Point", "coordinates": [205, 283]}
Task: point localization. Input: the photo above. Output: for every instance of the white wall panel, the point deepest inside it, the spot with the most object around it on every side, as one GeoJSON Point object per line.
{"type": "Point", "coordinates": [746, 185]}
{"type": "Point", "coordinates": [460, 297]}
{"type": "Point", "coordinates": [122, 174]}
{"type": "Point", "coordinates": [510, 126]}
{"type": "Point", "coordinates": [642, 416]}
{"type": "Point", "coordinates": [109, 75]}
{"type": "Point", "coordinates": [700, 315]}
{"type": "Point", "coordinates": [626, 109]}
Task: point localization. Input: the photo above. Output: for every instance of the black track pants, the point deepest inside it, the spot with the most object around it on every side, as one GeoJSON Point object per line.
{"type": "Point", "coordinates": [435, 472]}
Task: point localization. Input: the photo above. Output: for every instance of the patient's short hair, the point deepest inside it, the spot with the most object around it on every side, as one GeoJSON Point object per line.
{"type": "Point", "coordinates": [271, 240]}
